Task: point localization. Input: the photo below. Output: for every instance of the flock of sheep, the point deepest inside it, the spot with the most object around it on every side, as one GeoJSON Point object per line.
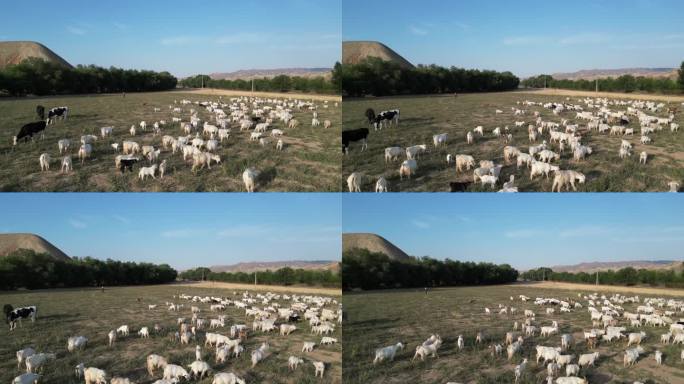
{"type": "Point", "coordinates": [549, 140]}
{"type": "Point", "coordinates": [268, 311]}
{"type": "Point", "coordinates": [566, 353]}
{"type": "Point", "coordinates": [197, 140]}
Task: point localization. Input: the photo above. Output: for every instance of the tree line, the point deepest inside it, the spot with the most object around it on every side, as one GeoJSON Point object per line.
{"type": "Point", "coordinates": [35, 76]}
{"type": "Point", "coordinates": [29, 269]}
{"type": "Point", "coordinates": [280, 83]}
{"type": "Point", "coordinates": [625, 276]}
{"type": "Point", "coordinates": [377, 77]}
{"type": "Point", "coordinates": [366, 270]}
{"type": "Point", "coordinates": [624, 83]}
{"type": "Point", "coordinates": [282, 276]}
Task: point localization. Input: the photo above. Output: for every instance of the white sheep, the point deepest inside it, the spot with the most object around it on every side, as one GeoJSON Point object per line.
{"type": "Point", "coordinates": [469, 137]}
{"type": "Point", "coordinates": [464, 160]}
{"type": "Point", "coordinates": [35, 362]}
{"type": "Point", "coordinates": [63, 145]}
{"type": "Point", "coordinates": [26, 378]}
{"type": "Point", "coordinates": [120, 380]}
{"type": "Point", "coordinates": [147, 171]}
{"type": "Point", "coordinates": [439, 140]}
{"type": "Point", "coordinates": [144, 332]}
{"type": "Point", "coordinates": [587, 359]}
{"type": "Point", "coordinates": [636, 338]}
{"type": "Point", "coordinates": [132, 130]}
{"type": "Point", "coordinates": [320, 368]}
{"type": "Point", "coordinates": [249, 178]}
{"type": "Point", "coordinates": [387, 353]}
{"type": "Point", "coordinates": [564, 178]}
{"type": "Point", "coordinates": [76, 342]}
{"type": "Point", "coordinates": [95, 376]}
{"type": "Point", "coordinates": [659, 357]}
{"type": "Point", "coordinates": [354, 182]}
{"type": "Point", "coordinates": [381, 185]}
{"type": "Point", "coordinates": [519, 369]}
{"type": "Point", "coordinates": [172, 371]}
{"type": "Point", "coordinates": [645, 140]}
{"type": "Point", "coordinates": [293, 362]}
{"type": "Point", "coordinates": [23, 354]}
{"type": "Point", "coordinates": [393, 153]}
{"type": "Point", "coordinates": [572, 370]}
{"type": "Point", "coordinates": [199, 368]}
{"type": "Point", "coordinates": [408, 168]}
{"type": "Point", "coordinates": [227, 378]}
{"type": "Point", "coordinates": [259, 354]}
{"type": "Point", "coordinates": [674, 186]}
{"type": "Point", "coordinates": [427, 350]}
{"type": "Point", "coordinates": [44, 160]}
{"type": "Point", "coordinates": [155, 361]}
{"type": "Point", "coordinates": [106, 131]}
{"type": "Point", "coordinates": [571, 380]}
{"type": "Point", "coordinates": [112, 337]}
{"type": "Point", "coordinates": [308, 346]}
{"type": "Point", "coordinates": [84, 151]}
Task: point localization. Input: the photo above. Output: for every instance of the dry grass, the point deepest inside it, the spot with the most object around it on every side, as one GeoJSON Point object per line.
{"type": "Point", "coordinates": [310, 161]}
{"type": "Point", "coordinates": [92, 313]}
{"type": "Point", "coordinates": [423, 117]}
{"type": "Point", "coordinates": [381, 318]}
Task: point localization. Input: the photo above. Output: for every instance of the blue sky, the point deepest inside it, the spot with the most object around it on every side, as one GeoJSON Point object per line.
{"type": "Point", "coordinates": [183, 37]}
{"type": "Point", "coordinates": [183, 230]}
{"type": "Point", "coordinates": [527, 37]}
{"type": "Point", "coordinates": [524, 230]}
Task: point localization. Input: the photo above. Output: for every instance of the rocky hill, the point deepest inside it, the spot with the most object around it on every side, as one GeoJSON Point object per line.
{"type": "Point", "coordinates": [592, 74]}
{"type": "Point", "coordinates": [615, 265]}
{"type": "Point", "coordinates": [355, 51]}
{"type": "Point", "coordinates": [14, 52]}
{"type": "Point", "coordinates": [373, 243]}
{"type": "Point", "coordinates": [10, 242]}
{"type": "Point", "coordinates": [248, 74]}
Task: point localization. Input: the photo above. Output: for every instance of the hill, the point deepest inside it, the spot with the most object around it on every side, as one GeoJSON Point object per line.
{"type": "Point", "coordinates": [373, 243]}
{"type": "Point", "coordinates": [353, 52]}
{"type": "Point", "coordinates": [274, 265]}
{"type": "Point", "coordinates": [14, 52]}
{"type": "Point", "coordinates": [615, 265]}
{"type": "Point", "coordinates": [248, 74]}
{"type": "Point", "coordinates": [592, 74]}
{"type": "Point", "coordinates": [10, 242]}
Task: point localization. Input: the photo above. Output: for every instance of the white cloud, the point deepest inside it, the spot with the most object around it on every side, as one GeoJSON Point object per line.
{"type": "Point", "coordinates": [421, 224]}
{"type": "Point", "coordinates": [523, 233]}
{"type": "Point", "coordinates": [120, 26]}
{"type": "Point", "coordinates": [241, 38]}
{"type": "Point", "coordinates": [78, 224]}
{"type": "Point", "coordinates": [122, 219]}
{"type": "Point", "coordinates": [178, 40]}
{"type": "Point", "coordinates": [179, 233]}
{"type": "Point", "coordinates": [585, 231]}
{"type": "Point", "coordinates": [585, 38]}
{"type": "Point", "coordinates": [243, 231]}
{"type": "Point", "coordinates": [76, 30]}
{"type": "Point", "coordinates": [524, 40]}
{"type": "Point", "coordinates": [418, 31]}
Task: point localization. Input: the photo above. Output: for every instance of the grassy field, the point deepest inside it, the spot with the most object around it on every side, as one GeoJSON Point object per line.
{"type": "Point", "coordinates": [423, 117]}
{"type": "Point", "coordinates": [92, 313]}
{"type": "Point", "coordinates": [382, 318]}
{"type": "Point", "coordinates": [309, 162]}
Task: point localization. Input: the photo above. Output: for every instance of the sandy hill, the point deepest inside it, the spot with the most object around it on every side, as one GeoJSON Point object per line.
{"type": "Point", "coordinates": [274, 265]}
{"type": "Point", "coordinates": [355, 51]}
{"type": "Point", "coordinates": [248, 74]}
{"type": "Point", "coordinates": [373, 243]}
{"type": "Point", "coordinates": [592, 74]}
{"type": "Point", "coordinates": [14, 52]}
{"type": "Point", "coordinates": [615, 265]}
{"type": "Point", "coordinates": [10, 242]}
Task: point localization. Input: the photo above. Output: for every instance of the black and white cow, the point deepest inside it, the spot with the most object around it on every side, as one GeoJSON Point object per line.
{"type": "Point", "coordinates": [29, 130]}
{"type": "Point", "coordinates": [16, 315]}
{"type": "Point", "coordinates": [386, 118]}
{"type": "Point", "coordinates": [56, 112]}
{"type": "Point", "coordinates": [360, 134]}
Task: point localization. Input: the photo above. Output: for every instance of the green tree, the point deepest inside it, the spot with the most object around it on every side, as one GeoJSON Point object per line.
{"type": "Point", "coordinates": [680, 78]}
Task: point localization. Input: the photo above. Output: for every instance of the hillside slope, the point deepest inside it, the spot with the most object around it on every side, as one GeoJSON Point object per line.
{"type": "Point", "coordinates": [274, 265]}
{"type": "Point", "coordinates": [373, 243]}
{"type": "Point", "coordinates": [10, 242]}
{"type": "Point", "coordinates": [592, 74]}
{"type": "Point", "coordinates": [14, 52]}
{"type": "Point", "coordinates": [355, 51]}
{"type": "Point", "coordinates": [615, 265]}
{"type": "Point", "coordinates": [248, 74]}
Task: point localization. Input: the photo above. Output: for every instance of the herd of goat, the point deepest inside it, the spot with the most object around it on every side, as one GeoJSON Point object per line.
{"type": "Point", "coordinates": [618, 323]}
{"type": "Point", "coordinates": [184, 134]}
{"type": "Point", "coordinates": [549, 140]}
{"type": "Point", "coordinates": [226, 338]}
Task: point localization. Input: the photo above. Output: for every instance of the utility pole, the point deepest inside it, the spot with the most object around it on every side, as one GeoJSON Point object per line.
{"type": "Point", "coordinates": [597, 278]}
{"type": "Point", "coordinates": [255, 278]}
{"type": "Point", "coordinates": [252, 85]}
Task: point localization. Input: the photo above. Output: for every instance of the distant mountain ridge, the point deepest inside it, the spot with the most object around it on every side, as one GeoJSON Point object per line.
{"type": "Point", "coordinates": [615, 265]}
{"type": "Point", "coordinates": [256, 266]}
{"type": "Point", "coordinates": [353, 52]}
{"type": "Point", "coordinates": [248, 74]}
{"type": "Point", "coordinates": [14, 52]}
{"type": "Point", "coordinates": [11, 242]}
{"type": "Point", "coordinates": [592, 74]}
{"type": "Point", "coordinates": [373, 243]}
